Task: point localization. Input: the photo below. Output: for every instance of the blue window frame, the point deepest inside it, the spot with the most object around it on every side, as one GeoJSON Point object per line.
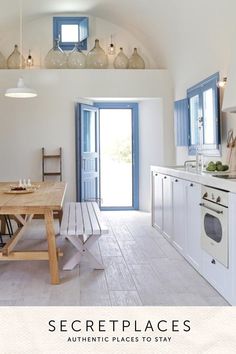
{"type": "Point", "coordinates": [71, 30]}
{"type": "Point", "coordinates": [135, 149]}
{"type": "Point", "coordinates": [181, 119]}
{"type": "Point", "coordinates": [204, 115]}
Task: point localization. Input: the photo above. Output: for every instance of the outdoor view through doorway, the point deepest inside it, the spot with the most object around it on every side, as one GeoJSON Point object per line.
{"type": "Point", "coordinates": [116, 158]}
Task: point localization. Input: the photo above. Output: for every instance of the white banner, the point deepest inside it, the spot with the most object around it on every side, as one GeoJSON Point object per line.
{"type": "Point", "coordinates": [94, 330]}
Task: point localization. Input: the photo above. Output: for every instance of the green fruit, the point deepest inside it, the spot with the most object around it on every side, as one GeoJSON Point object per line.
{"type": "Point", "coordinates": [211, 163]}
{"type": "Point", "coordinates": [211, 167]}
{"type": "Point", "coordinates": [225, 167]}
{"type": "Point", "coordinates": [220, 168]}
{"type": "Point", "coordinates": [218, 163]}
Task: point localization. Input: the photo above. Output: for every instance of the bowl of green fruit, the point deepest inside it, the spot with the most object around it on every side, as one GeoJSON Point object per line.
{"type": "Point", "coordinates": [216, 167]}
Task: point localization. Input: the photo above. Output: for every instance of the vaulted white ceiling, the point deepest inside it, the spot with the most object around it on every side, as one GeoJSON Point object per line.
{"type": "Point", "coordinates": [176, 31]}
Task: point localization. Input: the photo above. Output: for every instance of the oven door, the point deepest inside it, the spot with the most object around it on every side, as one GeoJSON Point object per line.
{"type": "Point", "coordinates": [214, 233]}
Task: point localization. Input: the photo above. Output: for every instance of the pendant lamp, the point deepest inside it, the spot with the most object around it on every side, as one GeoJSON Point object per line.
{"type": "Point", "coordinates": [21, 91]}
{"type": "Point", "coordinates": [111, 48]}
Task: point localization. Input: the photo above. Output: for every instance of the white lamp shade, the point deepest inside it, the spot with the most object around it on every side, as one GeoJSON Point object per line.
{"type": "Point", "coordinates": [21, 91]}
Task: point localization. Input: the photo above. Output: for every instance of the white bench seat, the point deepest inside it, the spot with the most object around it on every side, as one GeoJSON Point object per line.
{"type": "Point", "coordinates": [82, 224]}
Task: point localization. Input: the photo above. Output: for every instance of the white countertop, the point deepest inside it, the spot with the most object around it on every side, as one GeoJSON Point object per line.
{"type": "Point", "coordinates": [197, 177]}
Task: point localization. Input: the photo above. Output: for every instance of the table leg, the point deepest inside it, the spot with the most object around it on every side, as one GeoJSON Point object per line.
{"type": "Point", "coordinates": [52, 250]}
{"type": "Point", "coordinates": [3, 225]}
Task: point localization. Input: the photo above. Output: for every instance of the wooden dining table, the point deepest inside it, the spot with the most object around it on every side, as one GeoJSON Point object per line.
{"type": "Point", "coordinates": [46, 198]}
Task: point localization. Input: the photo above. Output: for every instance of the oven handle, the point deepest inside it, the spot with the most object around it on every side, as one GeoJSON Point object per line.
{"type": "Point", "coordinates": [212, 209]}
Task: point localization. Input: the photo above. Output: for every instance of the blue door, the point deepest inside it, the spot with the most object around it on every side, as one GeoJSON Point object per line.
{"type": "Point", "coordinates": [87, 150]}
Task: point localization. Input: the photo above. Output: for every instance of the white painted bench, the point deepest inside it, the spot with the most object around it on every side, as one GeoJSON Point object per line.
{"type": "Point", "coordinates": [82, 224]}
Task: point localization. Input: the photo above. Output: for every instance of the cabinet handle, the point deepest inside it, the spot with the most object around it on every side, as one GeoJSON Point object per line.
{"type": "Point", "coordinates": [165, 177]}
{"type": "Point", "coordinates": [213, 261]}
{"type": "Point", "coordinates": [176, 180]}
{"type": "Point", "coordinates": [191, 185]}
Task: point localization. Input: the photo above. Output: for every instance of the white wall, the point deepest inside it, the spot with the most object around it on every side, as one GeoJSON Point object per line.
{"type": "Point", "coordinates": [48, 120]}
{"type": "Point", "coordinates": [151, 143]}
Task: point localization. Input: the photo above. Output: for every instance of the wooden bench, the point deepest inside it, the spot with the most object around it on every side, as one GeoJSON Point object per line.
{"type": "Point", "coordinates": [82, 225]}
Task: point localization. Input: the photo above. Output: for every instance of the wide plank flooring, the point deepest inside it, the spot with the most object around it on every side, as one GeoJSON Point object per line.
{"type": "Point", "coordinates": [141, 269]}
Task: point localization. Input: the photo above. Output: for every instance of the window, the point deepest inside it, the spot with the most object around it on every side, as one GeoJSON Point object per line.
{"type": "Point", "coordinates": [204, 115]}
{"type": "Point", "coordinates": [71, 30]}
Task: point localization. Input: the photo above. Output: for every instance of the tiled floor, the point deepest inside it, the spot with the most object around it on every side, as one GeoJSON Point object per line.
{"type": "Point", "coordinates": [142, 268]}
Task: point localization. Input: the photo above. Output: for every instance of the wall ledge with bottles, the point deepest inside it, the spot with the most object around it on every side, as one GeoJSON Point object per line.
{"type": "Point", "coordinates": [56, 58]}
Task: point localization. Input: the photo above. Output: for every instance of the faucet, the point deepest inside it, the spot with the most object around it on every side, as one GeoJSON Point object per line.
{"type": "Point", "coordinates": [199, 159]}
{"type": "Point", "coordinates": [187, 162]}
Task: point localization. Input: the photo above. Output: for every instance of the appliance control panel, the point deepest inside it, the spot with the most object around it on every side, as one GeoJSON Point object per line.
{"type": "Point", "coordinates": [215, 195]}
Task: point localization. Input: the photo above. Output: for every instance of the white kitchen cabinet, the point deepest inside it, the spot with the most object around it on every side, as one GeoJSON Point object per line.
{"type": "Point", "coordinates": [179, 214]}
{"type": "Point", "coordinates": [167, 207]}
{"type": "Point", "coordinates": [217, 275]}
{"type": "Point", "coordinates": [157, 200]}
{"type": "Point", "coordinates": [193, 225]}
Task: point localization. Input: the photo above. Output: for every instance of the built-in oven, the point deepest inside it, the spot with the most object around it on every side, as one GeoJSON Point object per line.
{"type": "Point", "coordinates": [214, 224]}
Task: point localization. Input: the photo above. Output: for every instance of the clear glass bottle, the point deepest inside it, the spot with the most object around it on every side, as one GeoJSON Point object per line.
{"type": "Point", "coordinates": [136, 61]}
{"type": "Point", "coordinates": [76, 59]}
{"type": "Point", "coordinates": [3, 62]}
{"type": "Point", "coordinates": [97, 58]}
{"type": "Point", "coordinates": [121, 60]}
{"type": "Point", "coordinates": [16, 59]}
{"type": "Point", "coordinates": [56, 58]}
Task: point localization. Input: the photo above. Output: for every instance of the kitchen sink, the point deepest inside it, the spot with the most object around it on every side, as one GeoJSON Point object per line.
{"type": "Point", "coordinates": [183, 168]}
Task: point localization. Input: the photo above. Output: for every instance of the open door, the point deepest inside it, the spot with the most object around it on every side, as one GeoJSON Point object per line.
{"type": "Point", "coordinates": [87, 151]}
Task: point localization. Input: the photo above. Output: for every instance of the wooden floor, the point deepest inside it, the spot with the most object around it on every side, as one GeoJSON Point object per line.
{"type": "Point", "coordinates": [142, 269]}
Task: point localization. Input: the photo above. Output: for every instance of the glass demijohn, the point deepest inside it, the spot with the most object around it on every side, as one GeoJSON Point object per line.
{"type": "Point", "coordinates": [76, 59]}
{"type": "Point", "coordinates": [56, 58]}
{"type": "Point", "coordinates": [136, 61]}
{"type": "Point", "coordinates": [16, 59]}
{"type": "Point", "coordinates": [97, 58]}
{"type": "Point", "coordinates": [3, 62]}
{"type": "Point", "coordinates": [121, 60]}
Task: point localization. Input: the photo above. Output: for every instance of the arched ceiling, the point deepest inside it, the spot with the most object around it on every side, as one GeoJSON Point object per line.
{"type": "Point", "coordinates": [175, 31]}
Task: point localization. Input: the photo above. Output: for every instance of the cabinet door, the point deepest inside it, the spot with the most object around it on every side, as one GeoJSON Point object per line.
{"type": "Point", "coordinates": [217, 275]}
{"type": "Point", "coordinates": [157, 200]}
{"type": "Point", "coordinates": [167, 207]}
{"type": "Point", "coordinates": [179, 214]}
{"type": "Point", "coordinates": [193, 217]}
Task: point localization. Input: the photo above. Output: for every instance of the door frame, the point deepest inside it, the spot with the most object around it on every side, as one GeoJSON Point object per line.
{"type": "Point", "coordinates": [135, 149]}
